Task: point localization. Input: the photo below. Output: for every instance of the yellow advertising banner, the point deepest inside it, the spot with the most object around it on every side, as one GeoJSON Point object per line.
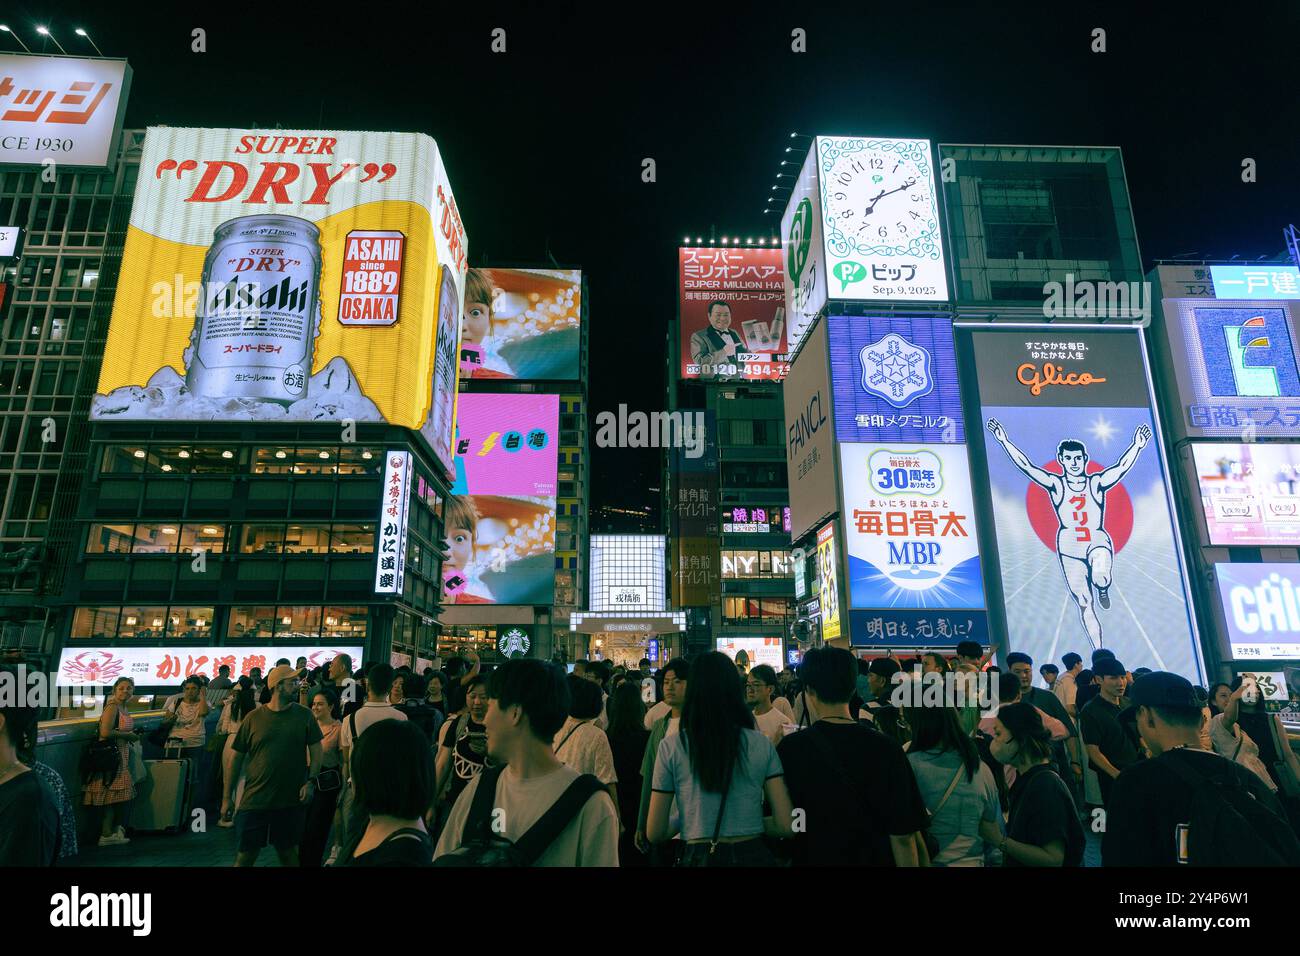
{"type": "Point", "coordinates": [291, 276]}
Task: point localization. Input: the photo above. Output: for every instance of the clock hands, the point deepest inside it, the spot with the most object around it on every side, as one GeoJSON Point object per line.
{"type": "Point", "coordinates": [883, 193]}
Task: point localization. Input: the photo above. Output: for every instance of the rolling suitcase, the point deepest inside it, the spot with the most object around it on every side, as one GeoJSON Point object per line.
{"type": "Point", "coordinates": [162, 799]}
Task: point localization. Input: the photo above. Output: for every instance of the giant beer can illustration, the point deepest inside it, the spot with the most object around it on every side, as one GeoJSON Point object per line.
{"type": "Point", "coordinates": [259, 311]}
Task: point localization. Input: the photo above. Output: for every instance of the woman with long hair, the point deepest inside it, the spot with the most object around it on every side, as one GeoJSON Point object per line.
{"type": "Point", "coordinates": [720, 769]}
{"type": "Point", "coordinates": [113, 793]}
{"type": "Point", "coordinates": [1043, 824]}
{"type": "Point", "coordinates": [958, 789]}
{"type": "Point", "coordinates": [329, 782]}
{"type": "Point", "coordinates": [240, 702]}
{"type": "Point", "coordinates": [627, 741]}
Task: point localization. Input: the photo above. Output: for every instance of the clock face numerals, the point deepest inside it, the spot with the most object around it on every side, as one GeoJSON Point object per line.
{"type": "Point", "coordinates": [877, 199]}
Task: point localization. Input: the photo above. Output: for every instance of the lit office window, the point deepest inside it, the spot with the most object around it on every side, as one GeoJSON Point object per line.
{"type": "Point", "coordinates": [262, 539]}
{"type": "Point", "coordinates": [143, 623]}
{"type": "Point", "coordinates": [109, 539]}
{"type": "Point", "coordinates": [158, 538]}
{"type": "Point", "coordinates": [95, 623]}
{"type": "Point", "coordinates": [189, 623]}
{"type": "Point", "coordinates": [250, 623]}
{"type": "Point", "coordinates": [205, 537]}
{"type": "Point", "coordinates": [344, 623]}
{"type": "Point", "coordinates": [307, 539]}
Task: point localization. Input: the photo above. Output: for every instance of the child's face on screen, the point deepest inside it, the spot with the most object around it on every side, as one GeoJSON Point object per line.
{"type": "Point", "coordinates": [461, 544]}
{"type": "Point", "coordinates": [478, 318]}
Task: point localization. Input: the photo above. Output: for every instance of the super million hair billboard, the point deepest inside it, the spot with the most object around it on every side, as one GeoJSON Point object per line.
{"type": "Point", "coordinates": [290, 276]}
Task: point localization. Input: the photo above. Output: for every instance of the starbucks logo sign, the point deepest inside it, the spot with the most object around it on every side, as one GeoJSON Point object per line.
{"type": "Point", "coordinates": [514, 643]}
{"type": "Point", "coordinates": [800, 240]}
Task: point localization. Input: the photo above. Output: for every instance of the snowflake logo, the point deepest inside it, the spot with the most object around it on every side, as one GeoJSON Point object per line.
{"type": "Point", "coordinates": [896, 370]}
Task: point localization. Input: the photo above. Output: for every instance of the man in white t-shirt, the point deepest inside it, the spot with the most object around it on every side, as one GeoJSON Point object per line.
{"type": "Point", "coordinates": [760, 685]}
{"type": "Point", "coordinates": [1066, 689]}
{"type": "Point", "coordinates": [526, 708]}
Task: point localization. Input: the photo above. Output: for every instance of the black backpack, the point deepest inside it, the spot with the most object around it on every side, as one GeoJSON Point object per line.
{"type": "Point", "coordinates": [481, 847]}
{"type": "Point", "coordinates": [1228, 825]}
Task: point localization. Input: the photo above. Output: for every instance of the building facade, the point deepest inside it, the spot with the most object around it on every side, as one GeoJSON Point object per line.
{"type": "Point", "coordinates": [54, 325]}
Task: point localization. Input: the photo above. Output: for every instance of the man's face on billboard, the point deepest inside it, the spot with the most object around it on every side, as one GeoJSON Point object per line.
{"type": "Point", "coordinates": [720, 317]}
{"type": "Point", "coordinates": [477, 321]}
{"type": "Point", "coordinates": [1073, 461]}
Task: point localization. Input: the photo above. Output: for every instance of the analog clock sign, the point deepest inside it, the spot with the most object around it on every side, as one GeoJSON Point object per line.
{"type": "Point", "coordinates": [880, 219]}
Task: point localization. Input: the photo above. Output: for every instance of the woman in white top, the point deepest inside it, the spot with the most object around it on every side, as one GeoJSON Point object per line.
{"type": "Point", "coordinates": [958, 788]}
{"type": "Point", "coordinates": [1228, 738]}
{"type": "Point", "coordinates": [580, 743]}
{"type": "Point", "coordinates": [241, 701]}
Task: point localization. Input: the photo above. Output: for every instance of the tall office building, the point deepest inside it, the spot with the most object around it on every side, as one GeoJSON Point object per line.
{"type": "Point", "coordinates": [520, 556]}
{"type": "Point", "coordinates": [199, 521]}
{"type": "Point", "coordinates": [726, 503]}
{"type": "Point", "coordinates": [59, 297]}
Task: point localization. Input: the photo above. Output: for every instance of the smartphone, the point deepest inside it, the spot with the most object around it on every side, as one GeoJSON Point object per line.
{"type": "Point", "coordinates": [648, 691]}
{"type": "Point", "coordinates": [1249, 689]}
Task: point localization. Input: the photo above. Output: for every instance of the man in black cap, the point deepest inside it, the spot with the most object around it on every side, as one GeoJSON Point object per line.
{"type": "Point", "coordinates": [1110, 747]}
{"type": "Point", "coordinates": [1150, 813]}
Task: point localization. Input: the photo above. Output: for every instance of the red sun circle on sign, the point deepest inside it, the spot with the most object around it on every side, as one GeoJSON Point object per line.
{"type": "Point", "coordinates": [1118, 518]}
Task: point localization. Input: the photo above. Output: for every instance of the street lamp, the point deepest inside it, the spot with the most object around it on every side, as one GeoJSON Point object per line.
{"type": "Point", "coordinates": [45, 32]}
{"type": "Point", "coordinates": [5, 29]}
{"type": "Point", "coordinates": [82, 33]}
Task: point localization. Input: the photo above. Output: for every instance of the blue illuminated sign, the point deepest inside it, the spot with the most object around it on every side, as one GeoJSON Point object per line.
{"type": "Point", "coordinates": [894, 380]}
{"type": "Point", "coordinates": [1267, 281]}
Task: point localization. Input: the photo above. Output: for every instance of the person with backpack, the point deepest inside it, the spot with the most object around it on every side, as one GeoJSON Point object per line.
{"type": "Point", "coordinates": [393, 772]}
{"type": "Point", "coordinates": [462, 746]}
{"type": "Point", "coordinates": [530, 809]}
{"type": "Point", "coordinates": [379, 684]}
{"type": "Point", "coordinates": [1187, 805]}
{"type": "Point", "coordinates": [854, 784]}
{"type": "Point", "coordinates": [719, 770]}
{"type": "Point", "coordinates": [1043, 826]}
{"type": "Point", "coordinates": [417, 710]}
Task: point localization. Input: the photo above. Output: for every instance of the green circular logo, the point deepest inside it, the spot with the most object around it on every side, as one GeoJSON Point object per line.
{"type": "Point", "coordinates": [800, 239]}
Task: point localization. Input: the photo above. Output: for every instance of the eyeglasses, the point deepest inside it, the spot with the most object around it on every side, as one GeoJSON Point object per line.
{"type": "Point", "coordinates": [749, 684]}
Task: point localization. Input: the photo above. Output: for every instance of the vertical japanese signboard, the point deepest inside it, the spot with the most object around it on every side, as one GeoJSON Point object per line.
{"type": "Point", "coordinates": [1086, 534]}
{"type": "Point", "coordinates": [696, 580]}
{"type": "Point", "coordinates": [390, 548]}
{"type": "Point", "coordinates": [810, 441]}
{"type": "Point", "coordinates": [828, 562]}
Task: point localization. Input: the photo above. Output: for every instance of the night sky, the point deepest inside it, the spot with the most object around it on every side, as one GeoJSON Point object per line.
{"type": "Point", "coordinates": [544, 143]}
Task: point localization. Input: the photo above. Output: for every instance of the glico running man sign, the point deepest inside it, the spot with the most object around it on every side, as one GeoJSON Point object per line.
{"type": "Point", "coordinates": [1086, 537]}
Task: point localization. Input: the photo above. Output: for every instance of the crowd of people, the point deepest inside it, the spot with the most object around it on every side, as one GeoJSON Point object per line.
{"type": "Point", "coordinates": [704, 762]}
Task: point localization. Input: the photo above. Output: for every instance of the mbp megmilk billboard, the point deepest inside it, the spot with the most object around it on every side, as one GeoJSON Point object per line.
{"type": "Point", "coordinates": [288, 275]}
{"type": "Point", "coordinates": [1085, 532]}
